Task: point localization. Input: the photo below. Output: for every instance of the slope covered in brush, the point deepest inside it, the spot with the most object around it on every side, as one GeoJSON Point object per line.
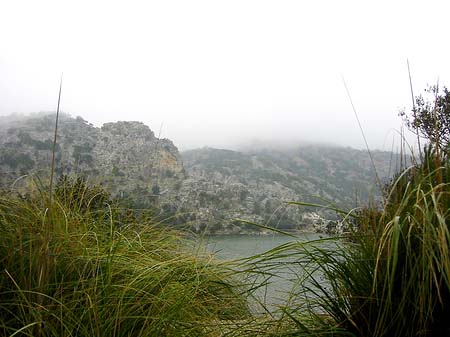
{"type": "Point", "coordinates": [253, 184]}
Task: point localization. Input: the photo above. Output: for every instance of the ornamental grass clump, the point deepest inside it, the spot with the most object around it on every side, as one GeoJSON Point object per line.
{"type": "Point", "coordinates": [388, 277]}
{"type": "Point", "coordinates": [70, 269]}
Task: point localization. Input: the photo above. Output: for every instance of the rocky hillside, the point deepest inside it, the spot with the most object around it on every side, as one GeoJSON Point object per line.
{"type": "Point", "coordinates": [125, 157]}
{"type": "Point", "coordinates": [253, 185]}
{"type": "Point", "coordinates": [207, 188]}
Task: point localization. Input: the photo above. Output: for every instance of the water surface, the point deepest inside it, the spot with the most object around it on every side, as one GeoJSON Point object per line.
{"type": "Point", "coordinates": [241, 246]}
{"type": "Point", "coordinates": [233, 247]}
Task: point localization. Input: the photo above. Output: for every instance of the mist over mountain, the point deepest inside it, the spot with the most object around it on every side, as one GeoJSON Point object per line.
{"type": "Point", "coordinates": [206, 189]}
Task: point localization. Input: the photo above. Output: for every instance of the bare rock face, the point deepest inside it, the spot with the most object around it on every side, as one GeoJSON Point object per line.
{"type": "Point", "coordinates": [125, 157]}
{"type": "Point", "coordinates": [143, 165]}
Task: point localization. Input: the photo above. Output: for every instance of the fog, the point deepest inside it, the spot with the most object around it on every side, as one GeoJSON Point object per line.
{"type": "Point", "coordinates": [226, 73]}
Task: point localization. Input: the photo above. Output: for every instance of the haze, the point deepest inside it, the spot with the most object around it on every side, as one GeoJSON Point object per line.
{"type": "Point", "coordinates": [223, 73]}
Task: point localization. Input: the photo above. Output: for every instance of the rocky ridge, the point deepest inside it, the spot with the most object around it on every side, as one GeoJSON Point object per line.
{"type": "Point", "coordinates": [208, 188]}
{"type": "Point", "coordinates": [125, 157]}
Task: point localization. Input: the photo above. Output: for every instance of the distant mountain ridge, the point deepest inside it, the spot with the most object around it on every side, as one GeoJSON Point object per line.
{"type": "Point", "coordinates": [254, 184]}
{"type": "Point", "coordinates": [210, 187]}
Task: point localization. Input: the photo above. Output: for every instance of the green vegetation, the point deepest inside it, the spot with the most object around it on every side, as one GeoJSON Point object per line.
{"type": "Point", "coordinates": [14, 160]}
{"type": "Point", "coordinates": [430, 118]}
{"type": "Point", "coordinates": [71, 269]}
{"type": "Point", "coordinates": [253, 185]}
{"type": "Point", "coordinates": [82, 153]}
{"type": "Point", "coordinates": [73, 263]}
{"type": "Point", "coordinates": [389, 277]}
{"type": "Point", "coordinates": [85, 267]}
{"type": "Point", "coordinates": [25, 138]}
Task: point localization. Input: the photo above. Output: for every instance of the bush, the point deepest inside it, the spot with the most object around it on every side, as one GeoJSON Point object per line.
{"type": "Point", "coordinates": [430, 118]}
{"type": "Point", "coordinates": [15, 160]}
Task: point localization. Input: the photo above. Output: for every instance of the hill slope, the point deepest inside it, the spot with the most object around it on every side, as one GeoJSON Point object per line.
{"type": "Point", "coordinates": [208, 188]}
{"type": "Point", "coordinates": [125, 157]}
{"type": "Point", "coordinates": [253, 184]}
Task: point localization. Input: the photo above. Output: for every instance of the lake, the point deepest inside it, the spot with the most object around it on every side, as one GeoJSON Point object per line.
{"type": "Point", "coordinates": [231, 247]}
{"type": "Point", "coordinates": [241, 246]}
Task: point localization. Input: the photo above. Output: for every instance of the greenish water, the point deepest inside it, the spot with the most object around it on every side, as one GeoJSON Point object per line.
{"type": "Point", "coordinates": [277, 290]}
{"type": "Point", "coordinates": [241, 246]}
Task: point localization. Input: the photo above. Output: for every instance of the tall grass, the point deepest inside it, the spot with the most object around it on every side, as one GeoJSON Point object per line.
{"type": "Point", "coordinates": [390, 276]}
{"type": "Point", "coordinates": [89, 275]}
{"type": "Point", "coordinates": [72, 264]}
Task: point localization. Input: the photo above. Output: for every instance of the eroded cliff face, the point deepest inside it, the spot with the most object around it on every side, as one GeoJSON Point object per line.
{"type": "Point", "coordinates": [125, 157]}
{"type": "Point", "coordinates": [138, 165]}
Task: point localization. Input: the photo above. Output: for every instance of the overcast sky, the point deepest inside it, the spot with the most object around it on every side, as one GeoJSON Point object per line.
{"type": "Point", "coordinates": [219, 73]}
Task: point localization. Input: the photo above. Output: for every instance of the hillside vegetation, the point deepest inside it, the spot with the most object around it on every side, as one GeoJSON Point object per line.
{"type": "Point", "coordinates": [254, 185]}
{"type": "Point", "coordinates": [203, 189]}
{"type": "Point", "coordinates": [74, 263]}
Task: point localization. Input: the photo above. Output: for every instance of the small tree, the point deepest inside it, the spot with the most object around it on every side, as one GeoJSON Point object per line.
{"type": "Point", "coordinates": [431, 118]}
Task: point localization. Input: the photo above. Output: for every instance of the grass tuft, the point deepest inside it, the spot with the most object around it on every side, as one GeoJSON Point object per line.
{"type": "Point", "coordinates": [389, 277]}
{"type": "Point", "coordinates": [90, 275]}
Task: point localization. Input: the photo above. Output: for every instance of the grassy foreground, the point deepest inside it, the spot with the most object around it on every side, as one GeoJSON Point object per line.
{"type": "Point", "coordinates": [77, 267]}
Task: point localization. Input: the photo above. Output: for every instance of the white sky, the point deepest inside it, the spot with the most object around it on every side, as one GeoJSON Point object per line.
{"type": "Point", "coordinates": [219, 73]}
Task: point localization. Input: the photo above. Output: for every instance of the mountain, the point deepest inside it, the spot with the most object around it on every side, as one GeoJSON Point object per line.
{"type": "Point", "coordinates": [208, 189]}
{"type": "Point", "coordinates": [255, 184]}
{"type": "Point", "coordinates": [125, 157]}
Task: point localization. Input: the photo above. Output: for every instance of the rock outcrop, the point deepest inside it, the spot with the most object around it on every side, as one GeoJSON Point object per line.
{"type": "Point", "coordinates": [125, 157]}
